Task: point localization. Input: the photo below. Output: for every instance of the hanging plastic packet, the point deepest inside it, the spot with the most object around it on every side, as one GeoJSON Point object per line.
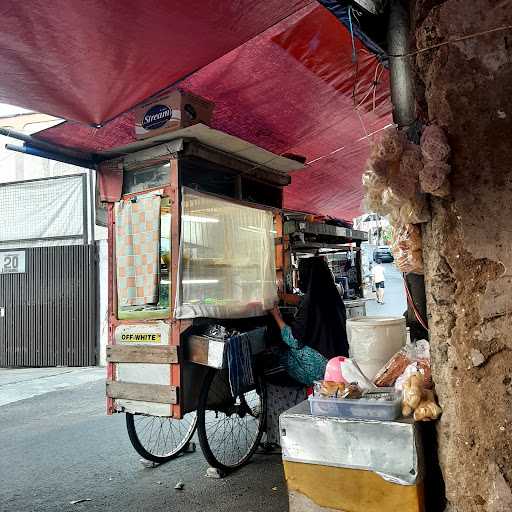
{"type": "Point", "coordinates": [407, 248]}
{"type": "Point", "coordinates": [415, 211]}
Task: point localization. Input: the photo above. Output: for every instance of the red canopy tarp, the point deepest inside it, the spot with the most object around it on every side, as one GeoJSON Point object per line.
{"type": "Point", "coordinates": [293, 88]}
{"type": "Point", "coordinates": [90, 60]}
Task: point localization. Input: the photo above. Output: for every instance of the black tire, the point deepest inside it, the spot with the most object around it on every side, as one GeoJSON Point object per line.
{"type": "Point", "coordinates": [171, 436]}
{"type": "Point", "coordinates": [230, 432]}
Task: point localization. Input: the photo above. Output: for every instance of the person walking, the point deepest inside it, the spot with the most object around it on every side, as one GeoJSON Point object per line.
{"type": "Point", "coordinates": [378, 279]}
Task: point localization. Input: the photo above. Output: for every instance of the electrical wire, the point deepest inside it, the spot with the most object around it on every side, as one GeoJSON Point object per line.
{"type": "Point", "coordinates": [363, 126]}
{"type": "Point", "coordinates": [452, 40]}
{"type": "Point", "coordinates": [376, 83]}
{"type": "Point", "coordinates": [367, 135]}
{"type": "Point", "coordinates": [344, 147]}
{"type": "Point", "coordinates": [354, 53]}
{"type": "Point", "coordinates": [373, 86]}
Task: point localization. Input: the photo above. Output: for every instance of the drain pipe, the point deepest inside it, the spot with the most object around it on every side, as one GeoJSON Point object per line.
{"type": "Point", "coordinates": [402, 93]}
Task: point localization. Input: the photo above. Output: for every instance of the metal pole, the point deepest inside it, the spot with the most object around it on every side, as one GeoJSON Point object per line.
{"type": "Point", "coordinates": [59, 157]}
{"type": "Point", "coordinates": [85, 222]}
{"type": "Point", "coordinates": [32, 141]}
{"type": "Point", "coordinates": [402, 93]}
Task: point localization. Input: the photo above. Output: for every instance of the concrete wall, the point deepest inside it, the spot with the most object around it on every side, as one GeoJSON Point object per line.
{"type": "Point", "coordinates": [466, 88]}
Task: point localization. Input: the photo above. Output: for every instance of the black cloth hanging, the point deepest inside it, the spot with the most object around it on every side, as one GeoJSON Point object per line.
{"type": "Point", "coordinates": [321, 319]}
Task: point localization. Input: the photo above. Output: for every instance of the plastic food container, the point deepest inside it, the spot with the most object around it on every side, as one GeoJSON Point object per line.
{"type": "Point", "coordinates": [360, 409]}
{"type": "Point", "coordinates": [373, 340]}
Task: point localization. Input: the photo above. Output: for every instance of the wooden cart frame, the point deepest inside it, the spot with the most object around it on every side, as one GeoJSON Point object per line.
{"type": "Point", "coordinates": [251, 184]}
{"type": "Point", "coordinates": [244, 173]}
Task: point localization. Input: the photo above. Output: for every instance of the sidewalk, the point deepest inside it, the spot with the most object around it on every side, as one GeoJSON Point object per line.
{"type": "Point", "coordinates": [395, 302]}
{"type": "Point", "coordinates": [22, 383]}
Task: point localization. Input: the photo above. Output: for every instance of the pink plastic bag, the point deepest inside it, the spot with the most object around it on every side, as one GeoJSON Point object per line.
{"type": "Point", "coordinates": [333, 370]}
{"type": "Point", "coordinates": [343, 369]}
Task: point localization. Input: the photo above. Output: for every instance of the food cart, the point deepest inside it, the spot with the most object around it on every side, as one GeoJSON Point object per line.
{"type": "Point", "coordinates": [306, 235]}
{"type": "Point", "coordinates": [195, 242]}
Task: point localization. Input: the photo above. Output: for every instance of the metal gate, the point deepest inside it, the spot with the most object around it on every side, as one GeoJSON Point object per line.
{"type": "Point", "coordinates": [48, 306]}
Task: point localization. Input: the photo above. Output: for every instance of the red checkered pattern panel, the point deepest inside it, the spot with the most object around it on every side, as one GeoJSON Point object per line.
{"type": "Point", "coordinates": [137, 251]}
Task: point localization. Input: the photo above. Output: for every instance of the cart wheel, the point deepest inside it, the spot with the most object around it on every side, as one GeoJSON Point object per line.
{"type": "Point", "coordinates": [160, 439]}
{"type": "Point", "coordinates": [229, 429]}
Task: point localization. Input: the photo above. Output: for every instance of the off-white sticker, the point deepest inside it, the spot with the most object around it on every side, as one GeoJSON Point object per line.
{"type": "Point", "coordinates": [141, 337]}
{"type": "Point", "coordinates": [144, 334]}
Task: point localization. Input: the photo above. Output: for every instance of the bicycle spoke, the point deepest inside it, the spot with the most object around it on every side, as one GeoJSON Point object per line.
{"type": "Point", "coordinates": [163, 437]}
{"type": "Point", "coordinates": [232, 431]}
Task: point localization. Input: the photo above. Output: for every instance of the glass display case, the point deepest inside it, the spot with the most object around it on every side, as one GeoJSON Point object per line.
{"type": "Point", "coordinates": [227, 260]}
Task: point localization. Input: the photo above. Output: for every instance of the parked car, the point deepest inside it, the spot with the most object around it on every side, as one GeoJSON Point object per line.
{"type": "Point", "coordinates": [383, 253]}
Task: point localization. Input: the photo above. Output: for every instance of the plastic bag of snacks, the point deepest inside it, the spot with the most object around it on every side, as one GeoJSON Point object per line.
{"type": "Point", "coordinates": [415, 211]}
{"type": "Point", "coordinates": [412, 393]}
{"type": "Point", "coordinates": [372, 180]}
{"type": "Point", "coordinates": [413, 358]}
{"type": "Point", "coordinates": [427, 409]}
{"type": "Point", "coordinates": [433, 178]}
{"type": "Point", "coordinates": [372, 202]}
{"type": "Point", "coordinates": [415, 367]}
{"type": "Point", "coordinates": [390, 147]}
{"type": "Point", "coordinates": [395, 367]}
{"type": "Point", "coordinates": [419, 400]}
{"type": "Point", "coordinates": [409, 262]}
{"type": "Point", "coordinates": [434, 144]}
{"type": "Point", "coordinates": [404, 177]}
{"type": "Point", "coordinates": [407, 248]}
{"type": "Point", "coordinates": [390, 200]}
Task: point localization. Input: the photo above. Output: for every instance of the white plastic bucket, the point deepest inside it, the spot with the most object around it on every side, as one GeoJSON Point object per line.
{"type": "Point", "coordinates": [374, 339]}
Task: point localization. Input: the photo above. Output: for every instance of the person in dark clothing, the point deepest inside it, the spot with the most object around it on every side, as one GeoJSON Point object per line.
{"type": "Point", "coordinates": [316, 334]}
{"type": "Point", "coordinates": [321, 319]}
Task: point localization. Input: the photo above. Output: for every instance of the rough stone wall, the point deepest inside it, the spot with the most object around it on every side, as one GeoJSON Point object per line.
{"type": "Point", "coordinates": [466, 88]}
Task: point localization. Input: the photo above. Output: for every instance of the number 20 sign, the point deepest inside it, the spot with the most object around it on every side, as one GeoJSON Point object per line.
{"type": "Point", "coordinates": [12, 262]}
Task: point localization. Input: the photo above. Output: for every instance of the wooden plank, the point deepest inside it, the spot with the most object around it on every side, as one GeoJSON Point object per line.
{"type": "Point", "coordinates": [141, 354]}
{"type": "Point", "coordinates": [205, 351]}
{"type": "Point", "coordinates": [156, 393]}
{"type": "Point", "coordinates": [176, 370]}
{"type": "Point", "coordinates": [196, 350]}
{"type": "Point", "coordinates": [112, 301]}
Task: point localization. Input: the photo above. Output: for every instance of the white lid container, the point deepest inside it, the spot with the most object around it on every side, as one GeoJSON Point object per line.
{"type": "Point", "coordinates": [373, 340]}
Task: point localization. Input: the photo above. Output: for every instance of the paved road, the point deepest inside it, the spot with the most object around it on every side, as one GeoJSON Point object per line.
{"type": "Point", "coordinates": [60, 446]}
{"type": "Point", "coordinates": [395, 302]}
